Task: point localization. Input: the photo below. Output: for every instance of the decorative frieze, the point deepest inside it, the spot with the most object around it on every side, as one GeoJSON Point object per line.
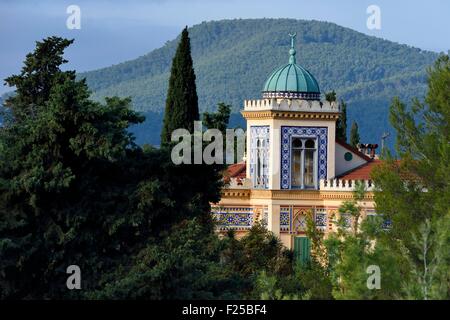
{"type": "Point", "coordinates": [321, 218]}
{"type": "Point", "coordinates": [298, 105]}
{"type": "Point", "coordinates": [239, 218]}
{"type": "Point", "coordinates": [271, 114]}
{"type": "Point", "coordinates": [285, 219]}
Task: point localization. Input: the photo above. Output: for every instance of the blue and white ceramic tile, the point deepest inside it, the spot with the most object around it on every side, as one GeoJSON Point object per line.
{"type": "Point", "coordinates": [319, 133]}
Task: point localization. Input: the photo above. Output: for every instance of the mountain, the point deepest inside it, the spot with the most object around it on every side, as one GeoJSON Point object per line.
{"type": "Point", "coordinates": [233, 58]}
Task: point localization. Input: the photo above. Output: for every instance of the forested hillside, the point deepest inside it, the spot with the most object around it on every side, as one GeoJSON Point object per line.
{"type": "Point", "coordinates": [233, 58]}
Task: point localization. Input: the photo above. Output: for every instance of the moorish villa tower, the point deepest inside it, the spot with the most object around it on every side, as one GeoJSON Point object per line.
{"type": "Point", "coordinates": [291, 122]}
{"type": "Point", "coordinates": [294, 163]}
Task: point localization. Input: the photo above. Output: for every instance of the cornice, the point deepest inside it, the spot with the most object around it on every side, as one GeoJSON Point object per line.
{"type": "Point", "coordinates": [292, 194]}
{"type": "Point", "coordinates": [271, 114]}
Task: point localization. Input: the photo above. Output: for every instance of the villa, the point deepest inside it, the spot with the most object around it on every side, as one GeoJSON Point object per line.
{"type": "Point", "coordinates": [294, 164]}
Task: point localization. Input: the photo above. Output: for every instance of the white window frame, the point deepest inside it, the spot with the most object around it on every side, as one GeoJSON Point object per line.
{"type": "Point", "coordinates": [302, 162]}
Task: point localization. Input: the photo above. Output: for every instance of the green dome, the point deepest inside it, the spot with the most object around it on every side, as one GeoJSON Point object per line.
{"type": "Point", "coordinates": [291, 81]}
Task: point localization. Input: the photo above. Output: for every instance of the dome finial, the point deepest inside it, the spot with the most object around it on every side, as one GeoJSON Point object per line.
{"type": "Point", "coordinates": [292, 51]}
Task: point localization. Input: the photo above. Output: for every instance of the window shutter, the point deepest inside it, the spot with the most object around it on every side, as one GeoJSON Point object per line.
{"type": "Point", "coordinates": [302, 249]}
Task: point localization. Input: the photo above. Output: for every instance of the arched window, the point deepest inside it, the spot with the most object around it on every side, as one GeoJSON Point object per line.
{"type": "Point", "coordinates": [308, 176]}
{"type": "Point", "coordinates": [310, 144]}
{"type": "Point", "coordinates": [296, 143]}
{"type": "Point", "coordinates": [296, 163]}
{"type": "Point", "coordinates": [260, 163]}
{"type": "Point", "coordinates": [303, 163]}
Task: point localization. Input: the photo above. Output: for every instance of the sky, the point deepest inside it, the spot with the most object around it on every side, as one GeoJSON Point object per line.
{"type": "Point", "coordinates": [115, 31]}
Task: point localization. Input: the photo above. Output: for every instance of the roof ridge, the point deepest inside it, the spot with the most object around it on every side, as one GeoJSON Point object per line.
{"type": "Point", "coordinates": [353, 149]}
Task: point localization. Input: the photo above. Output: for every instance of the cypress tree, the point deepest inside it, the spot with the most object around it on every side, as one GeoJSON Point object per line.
{"type": "Point", "coordinates": [354, 135]}
{"type": "Point", "coordinates": [341, 123]}
{"type": "Point", "coordinates": [330, 96]}
{"type": "Point", "coordinates": [182, 101]}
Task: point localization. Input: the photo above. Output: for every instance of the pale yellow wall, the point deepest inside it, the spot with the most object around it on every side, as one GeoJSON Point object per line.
{"type": "Point", "coordinates": [286, 239]}
{"type": "Point", "coordinates": [273, 219]}
{"type": "Point", "coordinates": [298, 198]}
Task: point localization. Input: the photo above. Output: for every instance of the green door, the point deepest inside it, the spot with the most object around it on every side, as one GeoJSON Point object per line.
{"type": "Point", "coordinates": [302, 249]}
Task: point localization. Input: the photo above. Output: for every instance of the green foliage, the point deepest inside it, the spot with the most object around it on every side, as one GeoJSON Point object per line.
{"type": "Point", "coordinates": [63, 159]}
{"type": "Point", "coordinates": [267, 288]}
{"type": "Point", "coordinates": [233, 58]}
{"type": "Point", "coordinates": [354, 254]}
{"type": "Point", "coordinates": [351, 253]}
{"type": "Point", "coordinates": [339, 265]}
{"type": "Point", "coordinates": [38, 77]}
{"type": "Point", "coordinates": [259, 249]}
{"type": "Point", "coordinates": [181, 101]}
{"type": "Point", "coordinates": [341, 123]}
{"type": "Point", "coordinates": [75, 189]}
{"type": "Point", "coordinates": [185, 264]}
{"type": "Point", "coordinates": [354, 135]}
{"type": "Point", "coordinates": [304, 283]}
{"type": "Point", "coordinates": [191, 262]}
{"type": "Point", "coordinates": [414, 192]}
{"type": "Point", "coordinates": [218, 120]}
{"type": "Point", "coordinates": [311, 280]}
{"type": "Point", "coordinates": [430, 278]}
{"type": "Point", "coordinates": [330, 96]}
{"type": "Point", "coordinates": [422, 144]}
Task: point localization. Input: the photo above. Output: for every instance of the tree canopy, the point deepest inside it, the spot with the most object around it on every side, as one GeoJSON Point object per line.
{"type": "Point", "coordinates": [75, 189]}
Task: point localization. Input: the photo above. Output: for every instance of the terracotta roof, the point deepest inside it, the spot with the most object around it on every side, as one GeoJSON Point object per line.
{"type": "Point", "coordinates": [360, 173]}
{"type": "Point", "coordinates": [237, 170]}
{"type": "Point", "coordinates": [354, 150]}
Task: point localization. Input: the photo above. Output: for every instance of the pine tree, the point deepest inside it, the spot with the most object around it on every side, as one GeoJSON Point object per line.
{"type": "Point", "coordinates": [419, 217]}
{"type": "Point", "coordinates": [218, 120]}
{"type": "Point", "coordinates": [341, 123]}
{"type": "Point", "coordinates": [354, 135]}
{"type": "Point", "coordinates": [38, 75]}
{"type": "Point", "coordinates": [182, 101]}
